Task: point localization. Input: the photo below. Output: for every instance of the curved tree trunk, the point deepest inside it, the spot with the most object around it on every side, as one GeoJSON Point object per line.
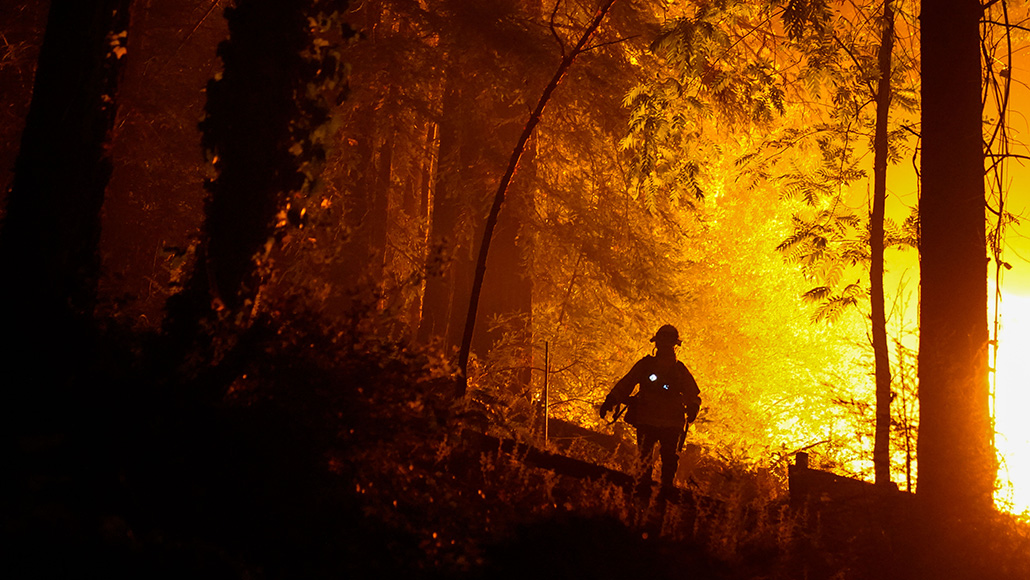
{"type": "Point", "coordinates": [502, 188]}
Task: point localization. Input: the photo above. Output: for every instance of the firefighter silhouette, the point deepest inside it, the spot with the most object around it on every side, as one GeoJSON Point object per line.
{"type": "Point", "coordinates": [666, 401]}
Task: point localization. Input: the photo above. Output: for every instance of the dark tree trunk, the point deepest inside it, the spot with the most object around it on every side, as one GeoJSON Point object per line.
{"type": "Point", "coordinates": [51, 230]}
{"type": "Point", "coordinates": [956, 459]}
{"type": "Point", "coordinates": [368, 181]}
{"type": "Point", "coordinates": [22, 23]}
{"type": "Point", "coordinates": [380, 217]}
{"type": "Point", "coordinates": [507, 294]}
{"type": "Point", "coordinates": [246, 134]}
{"type": "Point", "coordinates": [436, 299]}
{"type": "Point", "coordinates": [449, 263]}
{"type": "Point", "coordinates": [259, 120]}
{"type": "Point", "coordinates": [359, 203]}
{"type": "Point", "coordinates": [881, 351]}
{"type": "Point", "coordinates": [55, 409]}
{"type": "Point", "coordinates": [247, 129]}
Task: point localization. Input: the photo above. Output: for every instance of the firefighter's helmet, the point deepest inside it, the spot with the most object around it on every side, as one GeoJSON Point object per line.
{"type": "Point", "coordinates": [667, 333]}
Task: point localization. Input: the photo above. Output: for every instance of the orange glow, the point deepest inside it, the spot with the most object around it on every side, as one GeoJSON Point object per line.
{"type": "Point", "coordinates": [1012, 399]}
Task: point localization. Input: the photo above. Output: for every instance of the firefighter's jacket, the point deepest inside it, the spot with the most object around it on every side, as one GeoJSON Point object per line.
{"type": "Point", "coordinates": [666, 392]}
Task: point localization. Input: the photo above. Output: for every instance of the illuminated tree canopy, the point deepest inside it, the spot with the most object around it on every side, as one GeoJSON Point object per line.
{"type": "Point", "coordinates": [242, 241]}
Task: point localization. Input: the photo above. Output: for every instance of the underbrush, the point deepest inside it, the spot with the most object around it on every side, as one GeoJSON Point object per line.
{"type": "Point", "coordinates": [486, 513]}
{"type": "Point", "coordinates": [387, 431]}
{"type": "Point", "coordinates": [340, 451]}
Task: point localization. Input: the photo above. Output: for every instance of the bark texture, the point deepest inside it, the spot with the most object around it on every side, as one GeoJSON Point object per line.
{"type": "Point", "coordinates": [956, 460]}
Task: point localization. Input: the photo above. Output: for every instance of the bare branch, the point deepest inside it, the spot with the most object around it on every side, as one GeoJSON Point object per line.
{"type": "Point", "coordinates": [610, 42]}
{"type": "Point", "coordinates": [1008, 25]}
{"type": "Point", "coordinates": [557, 37]}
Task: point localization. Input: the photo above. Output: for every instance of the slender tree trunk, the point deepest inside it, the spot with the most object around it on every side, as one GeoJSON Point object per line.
{"type": "Point", "coordinates": [956, 459]}
{"type": "Point", "coordinates": [368, 182]}
{"type": "Point", "coordinates": [418, 206]}
{"type": "Point", "coordinates": [425, 181]}
{"type": "Point", "coordinates": [508, 285]}
{"type": "Point", "coordinates": [366, 202]}
{"type": "Point", "coordinates": [445, 212]}
{"type": "Point", "coordinates": [881, 448]}
{"type": "Point", "coordinates": [380, 218]}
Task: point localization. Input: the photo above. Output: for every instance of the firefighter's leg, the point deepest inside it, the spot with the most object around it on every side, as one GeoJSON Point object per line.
{"type": "Point", "coordinates": [646, 440]}
{"type": "Point", "coordinates": [670, 456]}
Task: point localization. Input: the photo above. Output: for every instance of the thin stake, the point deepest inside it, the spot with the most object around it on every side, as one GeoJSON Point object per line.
{"type": "Point", "coordinates": [547, 369]}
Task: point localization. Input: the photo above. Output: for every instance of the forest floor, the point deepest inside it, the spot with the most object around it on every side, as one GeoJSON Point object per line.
{"type": "Point", "coordinates": [359, 463]}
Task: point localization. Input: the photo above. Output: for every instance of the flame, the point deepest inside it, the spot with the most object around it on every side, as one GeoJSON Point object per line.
{"type": "Point", "coordinates": [1012, 399]}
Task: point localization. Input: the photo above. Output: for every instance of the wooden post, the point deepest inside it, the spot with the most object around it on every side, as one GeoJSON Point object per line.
{"type": "Point", "coordinates": [801, 460]}
{"type": "Point", "coordinates": [797, 480]}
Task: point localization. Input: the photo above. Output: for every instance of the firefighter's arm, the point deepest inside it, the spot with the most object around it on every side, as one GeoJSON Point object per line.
{"type": "Point", "coordinates": [693, 408]}
{"type": "Point", "coordinates": [692, 398]}
{"type": "Point", "coordinates": [621, 391]}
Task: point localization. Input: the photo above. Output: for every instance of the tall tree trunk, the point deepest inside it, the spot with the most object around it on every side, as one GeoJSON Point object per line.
{"type": "Point", "coordinates": [418, 206]}
{"type": "Point", "coordinates": [881, 448]}
{"type": "Point", "coordinates": [260, 117]}
{"type": "Point", "coordinates": [51, 229]}
{"type": "Point", "coordinates": [247, 130]}
{"type": "Point", "coordinates": [445, 213]}
{"type": "Point", "coordinates": [367, 184]}
{"type": "Point", "coordinates": [22, 23]}
{"type": "Point", "coordinates": [381, 206]}
{"type": "Point", "coordinates": [57, 399]}
{"type": "Point", "coordinates": [361, 203]}
{"type": "Point", "coordinates": [956, 459]}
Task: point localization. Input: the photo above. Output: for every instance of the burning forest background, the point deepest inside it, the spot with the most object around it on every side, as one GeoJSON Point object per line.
{"type": "Point", "coordinates": [240, 241]}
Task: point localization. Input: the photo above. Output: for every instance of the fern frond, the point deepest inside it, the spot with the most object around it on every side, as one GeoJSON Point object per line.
{"type": "Point", "coordinates": [816, 294]}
